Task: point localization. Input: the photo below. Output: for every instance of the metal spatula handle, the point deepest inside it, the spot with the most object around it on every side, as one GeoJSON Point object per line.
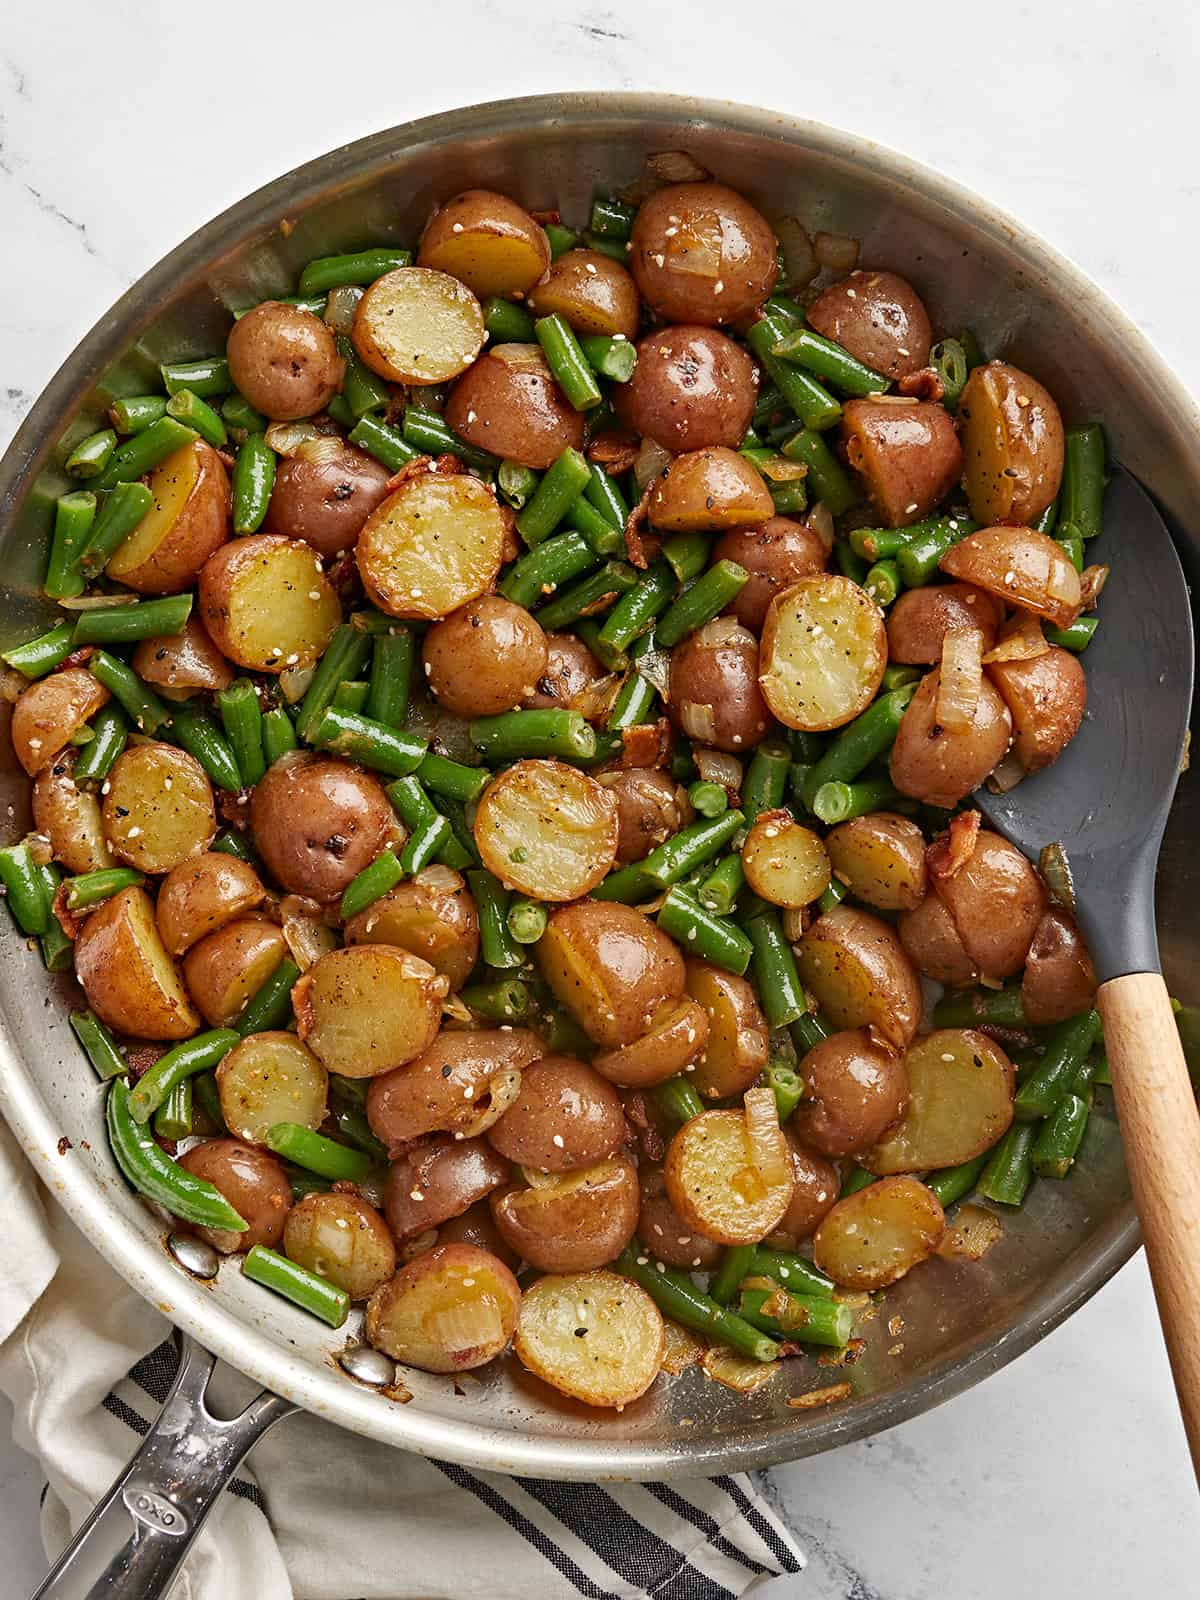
{"type": "Point", "coordinates": [165, 1492]}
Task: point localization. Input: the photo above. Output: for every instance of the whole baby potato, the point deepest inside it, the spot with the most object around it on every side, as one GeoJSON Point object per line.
{"type": "Point", "coordinates": [484, 658]}
{"type": "Point", "coordinates": [921, 618]}
{"type": "Point", "coordinates": [692, 388]}
{"type": "Point", "coordinates": [201, 895]}
{"type": "Point", "coordinates": [708, 491]}
{"type": "Point", "coordinates": [565, 1116]}
{"type": "Point", "coordinates": [996, 900]}
{"type": "Point", "coordinates": [1046, 696]}
{"type": "Point", "coordinates": [649, 809]}
{"type": "Point", "coordinates": [590, 291]}
{"type": "Point", "coordinates": [907, 453]}
{"type": "Point", "coordinates": [714, 687]}
{"type": "Point", "coordinates": [432, 916]}
{"type": "Point", "coordinates": [702, 253]}
{"type": "Point", "coordinates": [254, 1183]}
{"type": "Point", "coordinates": [450, 1085]}
{"type": "Point", "coordinates": [486, 241]}
{"type": "Point", "coordinates": [318, 822]}
{"type": "Point", "coordinates": [611, 968]}
{"type": "Point", "coordinates": [775, 554]}
{"type": "Point", "coordinates": [879, 318]}
{"type": "Point", "coordinates": [1013, 444]}
{"type": "Point", "coordinates": [284, 360]}
{"type": "Point", "coordinates": [508, 402]}
{"type": "Point", "coordinates": [941, 765]}
{"type": "Point", "coordinates": [324, 495]}
{"type": "Point", "coordinates": [438, 1179]}
{"type": "Point", "coordinates": [854, 1091]}
{"type": "Point", "coordinates": [861, 977]}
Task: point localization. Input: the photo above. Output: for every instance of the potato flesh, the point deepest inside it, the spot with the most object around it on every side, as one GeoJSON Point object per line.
{"type": "Point", "coordinates": [610, 967]}
{"type": "Point", "coordinates": [417, 325]}
{"type": "Point", "coordinates": [341, 1238]}
{"type": "Point", "coordinates": [960, 1102]}
{"type": "Point", "coordinates": [130, 981]}
{"type": "Point", "coordinates": [187, 521]}
{"type": "Point", "coordinates": [159, 808]}
{"type": "Point", "coordinates": [486, 241]}
{"type": "Point", "coordinates": [451, 1309]}
{"type": "Point", "coordinates": [547, 830]}
{"type": "Point", "coordinates": [676, 1037]}
{"type": "Point", "coordinates": [738, 1041]}
{"type": "Point", "coordinates": [617, 1356]}
{"type": "Point", "coordinates": [367, 1008]}
{"type": "Point", "coordinates": [228, 967]}
{"type": "Point", "coordinates": [881, 860]}
{"type": "Point", "coordinates": [824, 650]}
{"type": "Point", "coordinates": [278, 611]}
{"type": "Point", "coordinates": [270, 1078]}
{"type": "Point", "coordinates": [50, 713]}
{"type": "Point", "coordinates": [714, 1184]}
{"type": "Point", "coordinates": [437, 923]}
{"type": "Point", "coordinates": [861, 977]}
{"type": "Point", "coordinates": [785, 863]}
{"type": "Point", "coordinates": [877, 1235]}
{"type": "Point", "coordinates": [431, 546]}
{"type": "Point", "coordinates": [1021, 567]}
{"type": "Point", "coordinates": [171, 484]}
{"type": "Point", "coordinates": [71, 819]}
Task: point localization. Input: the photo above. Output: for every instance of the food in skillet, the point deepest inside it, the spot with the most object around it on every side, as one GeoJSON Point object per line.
{"type": "Point", "coordinates": [503, 772]}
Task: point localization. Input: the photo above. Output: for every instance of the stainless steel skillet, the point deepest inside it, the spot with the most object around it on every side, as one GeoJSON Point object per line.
{"type": "Point", "coordinates": [973, 264]}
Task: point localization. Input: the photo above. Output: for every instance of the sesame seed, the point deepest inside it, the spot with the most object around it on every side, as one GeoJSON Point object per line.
{"type": "Point", "coordinates": [468, 1283]}
{"type": "Point", "coordinates": [591, 267]}
{"type": "Point", "coordinates": [658, 259]}
{"type": "Point", "coordinates": [415, 1194]}
{"type": "Point", "coordinates": [134, 833]}
{"type": "Point", "coordinates": [909, 509]}
{"type": "Point", "coordinates": [456, 227]}
{"type": "Point", "coordinates": [661, 1265]}
{"type": "Point", "coordinates": [643, 1261]}
{"type": "Point", "coordinates": [167, 783]}
{"type": "Point", "coordinates": [719, 286]}
{"type": "Point", "coordinates": [558, 1141]}
{"type": "Point", "coordinates": [314, 594]}
{"type": "Point", "coordinates": [469, 1092]}
{"type": "Point", "coordinates": [851, 294]}
{"type": "Point", "coordinates": [1010, 576]}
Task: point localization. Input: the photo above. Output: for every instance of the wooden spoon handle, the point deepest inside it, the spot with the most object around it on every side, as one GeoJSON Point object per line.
{"type": "Point", "coordinates": [1160, 1129]}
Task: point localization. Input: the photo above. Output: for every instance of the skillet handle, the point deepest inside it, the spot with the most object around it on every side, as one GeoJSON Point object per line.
{"type": "Point", "coordinates": [167, 1491]}
{"type": "Point", "coordinates": [1160, 1129]}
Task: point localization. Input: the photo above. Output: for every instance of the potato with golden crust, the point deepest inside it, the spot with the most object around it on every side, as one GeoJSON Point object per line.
{"type": "Point", "coordinates": [1020, 567]}
{"type": "Point", "coordinates": [933, 944]}
{"type": "Point", "coordinates": [547, 829]}
{"type": "Point", "coordinates": [318, 822]}
{"type": "Point", "coordinates": [130, 981]}
{"type": "Point", "coordinates": [879, 318]}
{"type": "Point", "coordinates": [610, 967]}
{"type": "Point", "coordinates": [881, 860]}
{"type": "Point", "coordinates": [1046, 696]}
{"type": "Point", "coordinates": [267, 603]}
{"type": "Point", "coordinates": [484, 658]}
{"type": "Point", "coordinates": [566, 1115]}
{"type": "Point", "coordinates": [342, 1238]}
{"type": "Point", "coordinates": [692, 388]}
{"type": "Point", "coordinates": [823, 652]}
{"type": "Point", "coordinates": [960, 1102]}
{"type": "Point", "coordinates": [432, 916]}
{"type": "Point", "coordinates": [271, 1077]}
{"type": "Point", "coordinates": [486, 241]}
{"type": "Point", "coordinates": [225, 969]}
{"type": "Point", "coordinates": [508, 402]}
{"type": "Point", "coordinates": [874, 1237]}
{"type": "Point", "coordinates": [702, 253]}
{"type": "Point", "coordinates": [677, 1035]}
{"type": "Point", "coordinates": [738, 1039]}
{"type": "Point", "coordinates": [254, 1183]}
{"type": "Point", "coordinates": [452, 1086]}
{"type": "Point", "coordinates": [158, 807]}
{"type": "Point", "coordinates": [181, 664]}
{"type": "Point", "coordinates": [70, 817]}
{"type": "Point", "coordinates": [187, 521]}
{"type": "Point", "coordinates": [906, 452]}
{"type": "Point", "coordinates": [416, 325]}
{"type": "Point", "coordinates": [201, 895]}
{"type": "Point", "coordinates": [432, 546]}
{"type": "Point", "coordinates": [367, 1008]}
{"type": "Point", "coordinates": [775, 554]}
{"type": "Point", "coordinates": [716, 1185]}
{"type": "Point", "coordinates": [715, 696]}
{"type": "Point", "coordinates": [571, 1221]}
{"type": "Point", "coordinates": [284, 360]}
{"type": "Point", "coordinates": [620, 1352]}
{"type": "Point", "coordinates": [708, 491]}
{"type": "Point", "coordinates": [453, 1308]}
{"type": "Point", "coordinates": [858, 970]}
{"type": "Point", "coordinates": [939, 765]}
{"type": "Point", "coordinates": [593, 293]}
{"type": "Point", "coordinates": [437, 1179]}
{"type": "Point", "coordinates": [1013, 444]}
{"type": "Point", "coordinates": [324, 493]}
{"type": "Point", "coordinates": [50, 713]}
{"type": "Point", "coordinates": [854, 1091]}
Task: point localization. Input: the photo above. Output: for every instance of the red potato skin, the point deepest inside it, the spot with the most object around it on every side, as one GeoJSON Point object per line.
{"type": "Point", "coordinates": [518, 413]}
{"type": "Point", "coordinates": [319, 790]}
{"type": "Point", "coordinates": [1046, 696]}
{"type": "Point", "coordinates": [325, 503]}
{"type": "Point", "coordinates": [692, 388]}
{"type": "Point", "coordinates": [921, 618]}
{"type": "Point", "coordinates": [855, 1090]}
{"type": "Point", "coordinates": [775, 554]}
{"type": "Point", "coordinates": [725, 677]}
{"type": "Point", "coordinates": [255, 1185]}
{"type": "Point", "coordinates": [570, 667]}
{"type": "Point", "coordinates": [284, 360]}
{"type": "Point", "coordinates": [815, 1194]}
{"type": "Point", "coordinates": [1059, 980]}
{"type": "Point", "coordinates": [996, 901]}
{"type": "Point", "coordinates": [879, 318]}
{"type": "Point", "coordinates": [937, 766]}
{"type": "Point", "coordinates": [908, 455]}
{"type": "Point", "coordinates": [565, 1116]}
{"type": "Point", "coordinates": [439, 1179]}
{"type": "Point", "coordinates": [747, 265]}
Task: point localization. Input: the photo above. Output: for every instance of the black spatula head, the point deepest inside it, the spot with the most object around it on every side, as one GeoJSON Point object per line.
{"type": "Point", "coordinates": [1107, 797]}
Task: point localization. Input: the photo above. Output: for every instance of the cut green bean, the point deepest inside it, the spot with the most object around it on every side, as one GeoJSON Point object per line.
{"type": "Point", "coordinates": [270, 1006]}
{"type": "Point", "coordinates": [882, 583]}
{"type": "Point", "coordinates": [74, 515]}
{"type": "Point", "coordinates": [143, 452]}
{"type": "Point", "coordinates": [238, 413]}
{"type": "Point", "coordinates": [567, 362]}
{"type": "Point", "coordinates": [370, 743]}
{"type": "Point", "coordinates": [785, 1083]}
{"type": "Point", "coordinates": [899, 677]}
{"type": "Point", "coordinates": [278, 735]}
{"type": "Point", "coordinates": [627, 884]}
{"type": "Point", "coordinates": [134, 413]}
{"type": "Point", "coordinates": [606, 538]}
{"type": "Point", "coordinates": [701, 934]}
{"type": "Point", "coordinates": [242, 719]}
{"type": "Point", "coordinates": [832, 896]}
{"type": "Point", "coordinates": [808, 1031]}
{"type": "Point", "coordinates": [1068, 1044]}
{"type": "Point", "coordinates": [303, 1288]}
{"type": "Point", "coordinates": [461, 849]}
{"type": "Point", "coordinates": [813, 404]}
{"type": "Point", "coordinates": [775, 975]}
{"type": "Point", "coordinates": [1060, 1136]}
{"type": "Point", "coordinates": [107, 1061]}
{"type": "Point", "coordinates": [151, 1171]}
{"type": "Point", "coordinates": [119, 515]}
{"type": "Point", "coordinates": [827, 479]}
{"type": "Point", "coordinates": [591, 594]}
{"type": "Point", "coordinates": [561, 239]}
{"type": "Point", "coordinates": [110, 731]}
{"type": "Point", "coordinates": [634, 612]}
{"type": "Point", "coordinates": [25, 889]}
{"type": "Point", "coordinates": [453, 779]}
{"type": "Point", "coordinates": [197, 1054]}
{"type": "Point", "coordinates": [848, 562]}
{"type": "Point", "coordinates": [363, 390]}
{"type": "Point", "coordinates": [91, 455]}
{"type": "Point", "coordinates": [830, 362]}
{"type": "Point", "coordinates": [232, 843]}
{"type": "Point", "coordinates": [138, 619]}
{"type": "Point", "coordinates": [205, 377]}
{"type": "Point", "coordinates": [792, 1272]}
{"type": "Point", "coordinates": [351, 695]}
{"type": "Point", "coordinates": [952, 1183]}
{"type": "Point", "coordinates": [862, 741]}
{"type": "Point", "coordinates": [719, 891]}
{"type": "Point", "coordinates": [201, 738]}
{"type": "Point", "coordinates": [208, 1100]}
{"type": "Point", "coordinates": [687, 554]}
{"type": "Point", "coordinates": [90, 888]}
{"type": "Point", "coordinates": [188, 408]}
{"type": "Point", "coordinates": [516, 484]}
{"type": "Point", "coordinates": [854, 1179]}
{"type": "Point", "coordinates": [558, 490]}
{"type": "Point", "coordinates": [804, 1318]}
{"type": "Point", "coordinates": [253, 481]}
{"type": "Point", "coordinates": [588, 629]}
{"type": "Point", "coordinates": [949, 360]}
{"type": "Point", "coordinates": [428, 829]}
{"type": "Point", "coordinates": [505, 1000]}
{"type": "Point", "coordinates": [547, 567]}
{"type": "Point", "coordinates": [604, 494]}
{"type": "Point", "coordinates": [611, 358]}
{"type": "Point", "coordinates": [506, 322]}
{"type": "Point", "coordinates": [1009, 1170]}
{"type": "Point", "coordinates": [1077, 637]}
{"type": "Point", "coordinates": [676, 1295]}
{"type": "Point", "coordinates": [173, 1119]}
{"type": "Point", "coordinates": [969, 1008]}
{"type": "Point", "coordinates": [527, 735]}
{"type": "Point", "coordinates": [737, 1264]}
{"type": "Point", "coordinates": [690, 848]}
{"type": "Point", "coordinates": [706, 599]}
{"type": "Point", "coordinates": [497, 945]}
{"type": "Point", "coordinates": [1071, 541]}
{"type": "Point", "coordinates": [36, 657]}
{"type": "Point", "coordinates": [1048, 520]}
{"type": "Point", "coordinates": [434, 436]}
{"type": "Point", "coordinates": [358, 267]}
{"type": "Point", "coordinates": [1081, 498]}
{"type": "Point", "coordinates": [612, 218]}
{"type": "Point", "coordinates": [345, 657]}
{"type": "Point", "coordinates": [526, 919]}
{"type": "Point", "coordinates": [839, 802]}
{"type": "Point", "coordinates": [143, 707]}
{"type": "Point", "coordinates": [385, 443]}
{"type": "Point", "coordinates": [384, 873]}
{"type": "Point", "coordinates": [917, 558]}
{"type": "Point", "coordinates": [391, 677]}
{"type": "Point", "coordinates": [708, 799]}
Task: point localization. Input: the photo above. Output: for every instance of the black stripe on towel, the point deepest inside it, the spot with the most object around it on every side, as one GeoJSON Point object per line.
{"type": "Point", "coordinates": [632, 1550]}
{"type": "Point", "coordinates": [759, 1523]}
{"type": "Point", "coordinates": [707, 1525]}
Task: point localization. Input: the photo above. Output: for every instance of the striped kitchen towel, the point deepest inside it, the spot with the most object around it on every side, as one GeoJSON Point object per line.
{"type": "Point", "coordinates": [320, 1514]}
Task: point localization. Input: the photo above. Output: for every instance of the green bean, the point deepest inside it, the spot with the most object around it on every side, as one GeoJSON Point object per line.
{"type": "Point", "coordinates": [91, 455]}
{"type": "Point", "coordinates": [135, 413]}
{"type": "Point", "coordinates": [507, 323]}
{"type": "Point", "coordinates": [1061, 1134]}
{"type": "Point", "coordinates": [173, 1119]}
{"type": "Point", "coordinates": [454, 811]}
{"type": "Point", "coordinates": [522, 735]}
{"type": "Point", "coordinates": [855, 1179]}
{"type": "Point", "coordinates": [358, 267]}
{"type": "Point", "coordinates": [627, 884]}
{"type": "Point", "coordinates": [952, 1183]}
{"type": "Point", "coordinates": [634, 702]}
{"type": "Point", "coordinates": [784, 1082]}
{"type": "Point", "coordinates": [814, 405]}
{"type": "Point", "coordinates": [231, 843]}
{"type": "Point", "coordinates": [970, 1008]}
{"type": "Point", "coordinates": [205, 377]}
{"type": "Point", "coordinates": [109, 733]}
{"type": "Point", "coordinates": [589, 595]}
{"type": "Point", "coordinates": [848, 563]}
{"type": "Point", "coordinates": [611, 358]}
{"type": "Point", "coordinates": [119, 515]}
{"type": "Point", "coordinates": [775, 975]}
{"type": "Point", "coordinates": [242, 718]}
{"type": "Point", "coordinates": [351, 695]}
{"type": "Point", "coordinates": [1048, 520]}
{"type": "Point", "coordinates": [201, 738]}
{"type": "Point", "coordinates": [687, 554]}
{"type": "Point", "coordinates": [345, 657]}
{"type": "Point", "coordinates": [270, 1006]}
{"type": "Point", "coordinates": [74, 515]}
{"type": "Point", "coordinates": [676, 1295]}
{"type": "Point", "coordinates": [253, 481]}
{"type": "Point", "coordinates": [612, 218]}
{"type": "Point", "coordinates": [709, 799]}
{"type": "Point", "coordinates": [354, 1128]}
{"type": "Point", "coordinates": [605, 537]}
{"type": "Point", "coordinates": [101, 1047]}
{"type": "Point", "coordinates": [719, 891]}
{"type": "Point", "coordinates": [547, 567]}
{"type": "Point", "coordinates": [1009, 1170]}
{"type": "Point", "coordinates": [690, 848]}
{"type": "Point", "coordinates": [707, 598]}
{"type": "Point", "coordinates": [497, 945]}
{"type": "Point", "coordinates": [238, 413]}
{"type": "Point", "coordinates": [949, 360]}
{"type": "Point", "coordinates": [828, 479]}
{"type": "Point", "coordinates": [303, 1184]}
{"type": "Point", "coordinates": [789, 499]}
{"type": "Point", "coordinates": [1077, 637]}
{"type": "Point", "coordinates": [918, 557]}
{"type": "Point", "coordinates": [634, 612]}
{"type": "Point", "coordinates": [36, 657]}
{"type": "Point", "coordinates": [452, 778]}
{"type": "Point", "coordinates": [792, 1272]}
{"type": "Point", "coordinates": [385, 443]}
{"type": "Point", "coordinates": [303, 1288]}
{"type": "Point", "coordinates": [567, 362]}
{"type": "Point", "coordinates": [428, 829]}
{"type": "Point", "coordinates": [839, 802]}
{"type": "Point", "coordinates": [701, 934]}
{"type": "Point", "coordinates": [604, 495]}
{"type": "Point", "coordinates": [1081, 498]}
{"type": "Point", "coordinates": [315, 1153]}
{"type": "Point", "coordinates": [24, 889]}
{"type": "Point", "coordinates": [278, 735]}
{"type": "Point", "coordinates": [808, 1031]}
{"type": "Point", "coordinates": [832, 896]}
{"type": "Point", "coordinates": [384, 873]}
{"type": "Point", "coordinates": [801, 1317]}
{"type": "Point", "coordinates": [1068, 1045]}
{"type": "Point", "coordinates": [558, 490]}
{"type": "Point", "coordinates": [370, 743]}
{"type": "Point", "coordinates": [187, 407]}
{"type": "Point", "coordinates": [588, 629]}
{"type": "Point", "coordinates": [432, 435]}
{"type": "Point", "coordinates": [862, 741]}
{"type": "Point", "coordinates": [505, 1000]}
{"type": "Point", "coordinates": [882, 583]}
{"type": "Point", "coordinates": [143, 707]}
{"type": "Point", "coordinates": [363, 390]}
{"type": "Point", "coordinates": [561, 239]}
{"type": "Point", "coordinates": [208, 1100]}
{"type": "Point", "coordinates": [338, 411]}
{"type": "Point", "coordinates": [138, 619]}
{"type": "Point", "coordinates": [526, 919]}
{"type": "Point", "coordinates": [766, 779]}
{"type": "Point", "coordinates": [875, 544]}
{"type": "Point", "coordinates": [1071, 541]}
{"type": "Point", "coordinates": [827, 360]}
{"type": "Point", "coordinates": [152, 1172]}
{"type": "Point", "coordinates": [516, 484]}
{"type": "Point", "coordinates": [197, 1054]}
{"type": "Point", "coordinates": [144, 451]}
{"type": "Point", "coordinates": [899, 677]}
{"type": "Point", "coordinates": [90, 888]}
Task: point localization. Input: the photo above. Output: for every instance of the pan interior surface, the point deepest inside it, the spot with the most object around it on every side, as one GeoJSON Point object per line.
{"type": "Point", "coordinates": [972, 266]}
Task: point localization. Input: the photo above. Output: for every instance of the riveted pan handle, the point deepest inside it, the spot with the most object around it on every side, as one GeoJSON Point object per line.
{"type": "Point", "coordinates": [138, 1537]}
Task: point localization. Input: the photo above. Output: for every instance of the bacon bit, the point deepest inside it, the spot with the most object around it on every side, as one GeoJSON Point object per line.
{"type": "Point", "coordinates": [446, 464]}
{"type": "Point", "coordinates": [342, 576]}
{"type": "Point", "coordinates": [646, 745]}
{"type": "Point", "coordinates": [231, 805]}
{"type": "Point", "coordinates": [1091, 581]}
{"type": "Point", "coordinates": [895, 1326]}
{"type": "Point", "coordinates": [650, 1139]}
{"type": "Point", "coordinates": [923, 385]}
{"type": "Point", "coordinates": [1010, 1038]}
{"type": "Point", "coordinates": [344, 1186]}
{"type": "Point", "coordinates": [634, 541]}
{"type": "Point", "coordinates": [141, 1056]}
{"type": "Point", "coordinates": [950, 852]}
{"type": "Point", "coordinates": [78, 657]}
{"type": "Point", "coordinates": [227, 459]}
{"type": "Point", "coordinates": [69, 921]}
{"type": "Point", "coordinates": [820, 1397]}
{"type": "Point", "coordinates": [286, 227]}
{"type": "Point", "coordinates": [545, 217]}
{"type": "Point", "coordinates": [64, 1144]}
{"type": "Point", "coordinates": [512, 546]}
{"type": "Point", "coordinates": [848, 1356]}
{"type": "Point", "coordinates": [615, 451]}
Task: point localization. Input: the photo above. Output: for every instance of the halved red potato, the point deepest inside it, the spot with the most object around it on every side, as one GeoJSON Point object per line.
{"type": "Point", "coordinates": [368, 1008]}
{"type": "Point", "coordinates": [267, 603]}
{"type": "Point", "coordinates": [941, 766]}
{"type": "Point", "coordinates": [960, 1101]}
{"type": "Point", "coordinates": [508, 402]}
{"type": "Point", "coordinates": [1046, 696]}
{"type": "Point", "coordinates": [1022, 567]}
{"type": "Point", "coordinates": [881, 860]}
{"type": "Point", "coordinates": [859, 972]}
{"type": "Point", "coordinates": [676, 1036]}
{"type": "Point", "coordinates": [715, 1184]}
{"type": "Point", "coordinates": [457, 1085]}
{"type": "Point", "coordinates": [616, 1356]}
{"type": "Point", "coordinates": [1013, 444]}
{"type": "Point", "coordinates": [130, 981]}
{"type": "Point", "coordinates": [187, 521]}
{"type": "Point", "coordinates": [50, 713]}
{"type": "Point", "coordinates": [439, 1178]}
{"type": "Point", "coordinates": [158, 807]}
{"type": "Point", "coordinates": [418, 326]}
{"type": "Point", "coordinates": [738, 1037]}
{"type": "Point", "coordinates": [431, 546]}
{"type": "Point", "coordinates": [70, 817]}
{"type": "Point", "coordinates": [702, 253]}
{"type": "Point", "coordinates": [228, 967]}
{"type": "Point", "coordinates": [486, 241]}
{"type": "Point", "coordinates": [824, 650]}
{"type": "Point", "coordinates": [854, 1090]}
{"type": "Point", "coordinates": [692, 388]}
{"type": "Point", "coordinates": [268, 1078]}
{"type": "Point", "coordinates": [203, 894]}
{"type": "Point", "coordinates": [709, 491]}
{"type": "Point", "coordinates": [342, 1238]}
{"type": "Point", "coordinates": [181, 663]}
{"type": "Point", "coordinates": [874, 1237]}
{"type": "Point", "coordinates": [452, 1308]}
{"type": "Point", "coordinates": [785, 863]}
{"type": "Point", "coordinates": [565, 1115]}
{"type": "Point", "coordinates": [547, 829]}
{"type": "Point", "coordinates": [996, 900]}
{"type": "Point", "coordinates": [1059, 979]}
{"type": "Point", "coordinates": [432, 915]}
{"type": "Point", "coordinates": [611, 967]}
{"type": "Point", "coordinates": [933, 943]}
{"type": "Point", "coordinates": [571, 1221]}
{"type": "Point", "coordinates": [592, 292]}
{"type": "Point", "coordinates": [907, 453]}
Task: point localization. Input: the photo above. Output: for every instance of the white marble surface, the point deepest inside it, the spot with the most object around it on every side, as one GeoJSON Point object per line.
{"type": "Point", "coordinates": [124, 126]}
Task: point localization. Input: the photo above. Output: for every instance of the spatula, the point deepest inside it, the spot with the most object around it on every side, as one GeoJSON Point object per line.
{"type": "Point", "coordinates": [1106, 801]}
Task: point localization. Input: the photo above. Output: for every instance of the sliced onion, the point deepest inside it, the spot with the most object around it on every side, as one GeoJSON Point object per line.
{"type": "Point", "coordinates": [960, 679]}
{"type": "Point", "coordinates": [442, 878]}
{"type": "Point", "coordinates": [1091, 581]}
{"type": "Point", "coordinates": [502, 1091]}
{"type": "Point", "coordinates": [726, 1367]}
{"type": "Point", "coordinates": [470, 1325]}
{"type": "Point", "coordinates": [694, 248]}
{"type": "Point", "coordinates": [796, 920]}
{"type": "Point", "coordinates": [1056, 869]}
{"type": "Point", "coordinates": [973, 1233]}
{"type": "Point", "coordinates": [837, 251]}
{"type": "Point", "coordinates": [1006, 774]}
{"type": "Point", "coordinates": [651, 461]}
{"type": "Point", "coordinates": [895, 399]}
{"type": "Point", "coordinates": [698, 719]}
{"type": "Point", "coordinates": [13, 685]}
{"type": "Point", "coordinates": [676, 166]}
{"type": "Point", "coordinates": [39, 847]}
{"type": "Point", "coordinates": [767, 1139]}
{"type": "Point", "coordinates": [595, 700]}
{"type": "Point", "coordinates": [294, 682]}
{"type": "Point", "coordinates": [535, 1178]}
{"type": "Point", "coordinates": [520, 356]}
{"type": "Point", "coordinates": [96, 602]}
{"type": "Point", "coordinates": [304, 932]}
{"type": "Point", "coordinates": [798, 254]}
{"type": "Point", "coordinates": [327, 448]}
{"type": "Point", "coordinates": [778, 469]}
{"type": "Point", "coordinates": [1021, 639]}
{"type": "Point", "coordinates": [820, 520]}
{"type": "Point", "coordinates": [722, 630]}
{"type": "Point", "coordinates": [340, 306]}
{"type": "Point", "coordinates": [655, 667]}
{"type": "Point", "coordinates": [284, 437]}
{"type": "Point", "coordinates": [820, 1397]}
{"type": "Point", "coordinates": [717, 766]}
{"type": "Point", "coordinates": [458, 1011]}
{"type": "Point", "coordinates": [681, 1349]}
